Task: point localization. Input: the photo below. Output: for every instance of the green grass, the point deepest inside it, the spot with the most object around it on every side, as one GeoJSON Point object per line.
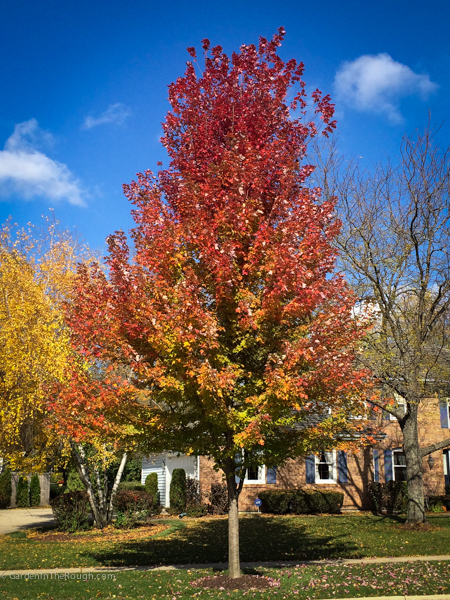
{"type": "Point", "coordinates": [304, 583]}
{"type": "Point", "coordinates": [262, 539]}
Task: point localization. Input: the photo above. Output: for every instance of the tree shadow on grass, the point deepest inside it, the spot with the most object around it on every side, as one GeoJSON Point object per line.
{"type": "Point", "coordinates": [268, 539]}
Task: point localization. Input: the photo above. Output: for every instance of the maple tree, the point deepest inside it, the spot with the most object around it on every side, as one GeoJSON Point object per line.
{"type": "Point", "coordinates": [227, 314]}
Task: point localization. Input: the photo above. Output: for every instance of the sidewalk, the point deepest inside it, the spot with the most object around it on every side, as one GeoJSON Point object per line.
{"type": "Point", "coordinates": [244, 565]}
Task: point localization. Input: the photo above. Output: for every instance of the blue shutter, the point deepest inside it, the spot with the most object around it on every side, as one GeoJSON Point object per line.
{"type": "Point", "coordinates": [386, 415]}
{"type": "Point", "coordinates": [238, 459]}
{"type": "Point", "coordinates": [310, 463]}
{"type": "Point", "coordinates": [272, 475]}
{"type": "Point", "coordinates": [376, 466]}
{"type": "Point", "coordinates": [443, 409]}
{"type": "Point", "coordinates": [388, 476]}
{"type": "Point", "coordinates": [342, 467]}
{"type": "Point", "coordinates": [447, 464]}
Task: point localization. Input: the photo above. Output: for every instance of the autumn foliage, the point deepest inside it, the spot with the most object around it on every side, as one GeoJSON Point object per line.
{"type": "Point", "coordinates": [226, 310]}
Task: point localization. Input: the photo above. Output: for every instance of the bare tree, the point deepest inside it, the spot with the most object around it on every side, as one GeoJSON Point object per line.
{"type": "Point", "coordinates": [395, 250]}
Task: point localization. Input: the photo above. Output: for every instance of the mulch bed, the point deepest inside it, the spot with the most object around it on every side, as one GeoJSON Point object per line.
{"type": "Point", "coordinates": [245, 582]}
{"type": "Point", "coordinates": [108, 534]}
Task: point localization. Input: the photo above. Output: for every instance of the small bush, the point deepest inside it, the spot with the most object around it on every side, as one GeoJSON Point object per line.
{"type": "Point", "coordinates": [71, 510]}
{"type": "Point", "coordinates": [196, 511]}
{"type": "Point", "coordinates": [134, 486]}
{"type": "Point", "coordinates": [74, 483]}
{"type": "Point", "coordinates": [177, 493]}
{"type": "Point", "coordinates": [439, 502]}
{"type": "Point", "coordinates": [391, 496]}
{"type": "Point", "coordinates": [131, 507]}
{"type": "Point", "coordinates": [193, 492]}
{"type": "Point", "coordinates": [22, 492]}
{"type": "Point", "coordinates": [276, 502]}
{"type": "Point", "coordinates": [35, 490]}
{"type": "Point", "coordinates": [5, 488]}
{"type": "Point", "coordinates": [324, 502]}
{"type": "Point", "coordinates": [218, 499]}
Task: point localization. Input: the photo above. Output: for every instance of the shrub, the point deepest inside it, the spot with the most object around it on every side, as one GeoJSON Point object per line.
{"type": "Point", "coordinates": [196, 511]}
{"type": "Point", "coordinates": [178, 490]}
{"type": "Point", "coordinates": [74, 483]}
{"type": "Point", "coordinates": [300, 502]}
{"type": "Point", "coordinates": [438, 502]}
{"type": "Point", "coordinates": [71, 510]}
{"type": "Point", "coordinates": [276, 502]}
{"type": "Point", "coordinates": [218, 499]}
{"type": "Point", "coordinates": [131, 507]}
{"type": "Point", "coordinates": [35, 490]}
{"type": "Point", "coordinates": [391, 496]}
{"type": "Point", "coordinates": [193, 492]}
{"type": "Point", "coordinates": [324, 502]}
{"type": "Point", "coordinates": [5, 488]}
{"type": "Point", "coordinates": [132, 471]}
{"type": "Point", "coordinates": [22, 492]}
{"type": "Point", "coordinates": [134, 486]}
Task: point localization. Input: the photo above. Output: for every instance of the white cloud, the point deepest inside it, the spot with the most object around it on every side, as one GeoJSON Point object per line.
{"type": "Point", "coordinates": [26, 171]}
{"type": "Point", "coordinates": [115, 113]}
{"type": "Point", "coordinates": [376, 83]}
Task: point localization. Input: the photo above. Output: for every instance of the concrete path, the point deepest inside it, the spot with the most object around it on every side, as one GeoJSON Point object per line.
{"type": "Point", "coordinates": [16, 519]}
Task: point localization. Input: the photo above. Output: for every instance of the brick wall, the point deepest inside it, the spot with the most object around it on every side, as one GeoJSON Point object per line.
{"type": "Point", "coordinates": [359, 465]}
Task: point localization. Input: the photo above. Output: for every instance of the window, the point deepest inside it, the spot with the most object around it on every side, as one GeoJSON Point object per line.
{"type": "Point", "coordinates": [400, 403]}
{"type": "Point", "coordinates": [255, 475]}
{"type": "Point", "coordinates": [326, 467]}
{"type": "Point", "coordinates": [399, 460]}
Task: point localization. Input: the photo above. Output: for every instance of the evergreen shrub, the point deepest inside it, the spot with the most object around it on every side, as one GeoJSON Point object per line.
{"type": "Point", "coordinates": [71, 510]}
{"type": "Point", "coordinates": [5, 488]}
{"type": "Point", "coordinates": [74, 483]}
{"type": "Point", "coordinates": [300, 502]}
{"type": "Point", "coordinates": [390, 497]}
{"type": "Point", "coordinates": [35, 490]}
{"type": "Point", "coordinates": [151, 487]}
{"type": "Point", "coordinates": [178, 490]}
{"type": "Point", "coordinates": [22, 492]}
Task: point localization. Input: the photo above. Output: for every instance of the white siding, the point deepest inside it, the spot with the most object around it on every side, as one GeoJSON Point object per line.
{"type": "Point", "coordinates": [156, 465]}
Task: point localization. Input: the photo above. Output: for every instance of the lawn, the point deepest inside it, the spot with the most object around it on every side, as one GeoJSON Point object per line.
{"type": "Point", "coordinates": [302, 582]}
{"type": "Point", "coordinates": [262, 539]}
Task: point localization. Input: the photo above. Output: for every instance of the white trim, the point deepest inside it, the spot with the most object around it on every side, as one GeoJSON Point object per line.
{"type": "Point", "coordinates": [401, 402]}
{"type": "Point", "coordinates": [261, 477]}
{"type": "Point", "coordinates": [333, 468]}
{"type": "Point", "coordinates": [394, 452]}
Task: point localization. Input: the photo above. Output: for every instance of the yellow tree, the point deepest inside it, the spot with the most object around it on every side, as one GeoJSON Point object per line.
{"type": "Point", "coordinates": [36, 268]}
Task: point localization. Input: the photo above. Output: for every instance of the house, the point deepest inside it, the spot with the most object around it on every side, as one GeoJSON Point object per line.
{"type": "Point", "coordinates": [347, 472]}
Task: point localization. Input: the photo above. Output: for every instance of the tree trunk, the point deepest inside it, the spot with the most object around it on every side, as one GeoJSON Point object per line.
{"type": "Point", "coordinates": [83, 471]}
{"type": "Point", "coordinates": [414, 474]}
{"type": "Point", "coordinates": [234, 564]}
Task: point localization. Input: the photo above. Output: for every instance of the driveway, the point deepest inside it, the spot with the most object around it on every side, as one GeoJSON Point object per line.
{"type": "Point", "coordinates": [15, 519]}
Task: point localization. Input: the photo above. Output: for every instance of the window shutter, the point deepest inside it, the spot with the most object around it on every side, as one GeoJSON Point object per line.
{"type": "Point", "coordinates": [342, 467]}
{"type": "Point", "coordinates": [443, 409]}
{"type": "Point", "coordinates": [376, 466]}
{"type": "Point", "coordinates": [238, 459]}
{"type": "Point", "coordinates": [310, 463]}
{"type": "Point", "coordinates": [388, 465]}
{"type": "Point", "coordinates": [386, 416]}
{"type": "Point", "coordinates": [272, 475]}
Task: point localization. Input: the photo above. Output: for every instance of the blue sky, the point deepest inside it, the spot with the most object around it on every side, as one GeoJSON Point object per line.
{"type": "Point", "coordinates": [84, 87]}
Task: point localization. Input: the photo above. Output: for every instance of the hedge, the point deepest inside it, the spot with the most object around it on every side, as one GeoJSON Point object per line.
{"type": "Point", "coordinates": [35, 490]}
{"type": "Point", "coordinates": [300, 502]}
{"type": "Point", "coordinates": [22, 493]}
{"type": "Point", "coordinates": [5, 488]}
